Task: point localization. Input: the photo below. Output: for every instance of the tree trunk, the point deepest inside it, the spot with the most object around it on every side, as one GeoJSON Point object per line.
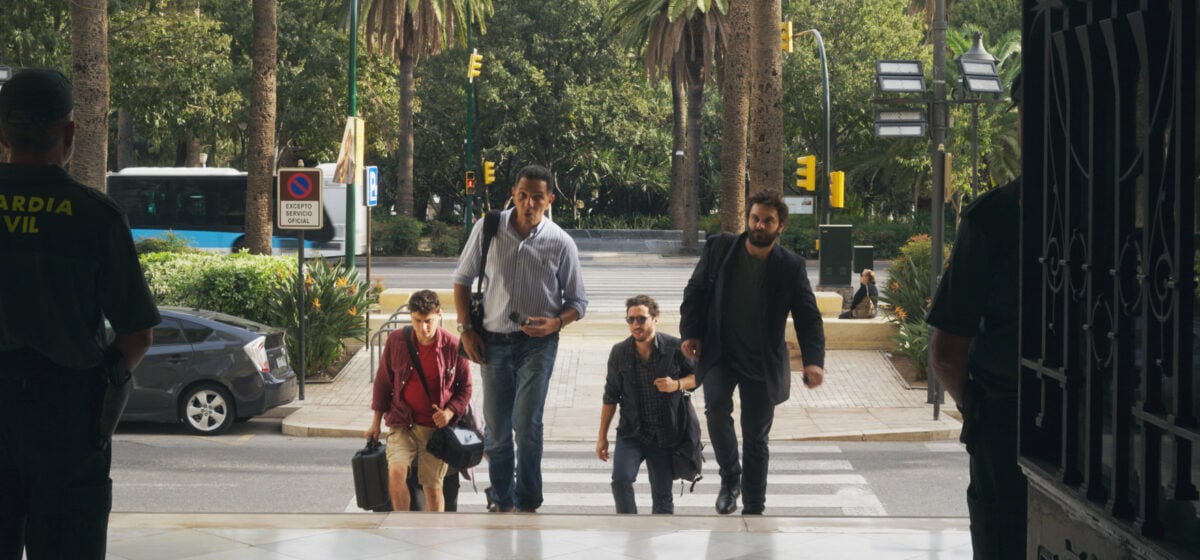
{"type": "Point", "coordinates": [404, 153]}
{"type": "Point", "coordinates": [126, 150]}
{"type": "Point", "coordinates": [676, 196]}
{"type": "Point", "coordinates": [89, 62]}
{"type": "Point", "coordinates": [766, 98]}
{"type": "Point", "coordinates": [735, 86]}
{"type": "Point", "coordinates": [695, 111]}
{"type": "Point", "coordinates": [260, 159]}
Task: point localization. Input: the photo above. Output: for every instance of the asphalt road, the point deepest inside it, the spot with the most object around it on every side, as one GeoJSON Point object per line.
{"type": "Point", "coordinates": [254, 468]}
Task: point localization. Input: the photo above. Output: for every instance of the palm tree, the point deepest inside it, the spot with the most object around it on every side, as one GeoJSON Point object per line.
{"type": "Point", "coordinates": [260, 158]}
{"type": "Point", "coordinates": [410, 29]}
{"type": "Point", "coordinates": [766, 101]}
{"type": "Point", "coordinates": [735, 92]}
{"type": "Point", "coordinates": [89, 58]}
{"type": "Point", "coordinates": [679, 40]}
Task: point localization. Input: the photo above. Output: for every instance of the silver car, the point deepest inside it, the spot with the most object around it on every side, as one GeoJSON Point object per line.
{"type": "Point", "coordinates": [209, 369]}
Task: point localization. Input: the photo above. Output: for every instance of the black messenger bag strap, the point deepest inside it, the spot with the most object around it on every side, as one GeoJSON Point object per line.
{"type": "Point", "coordinates": [416, 361]}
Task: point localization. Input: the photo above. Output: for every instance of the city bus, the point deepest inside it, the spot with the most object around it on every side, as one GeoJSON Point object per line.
{"type": "Point", "coordinates": [207, 207]}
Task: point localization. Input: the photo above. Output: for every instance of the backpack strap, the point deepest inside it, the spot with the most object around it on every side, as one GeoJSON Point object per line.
{"type": "Point", "coordinates": [491, 225]}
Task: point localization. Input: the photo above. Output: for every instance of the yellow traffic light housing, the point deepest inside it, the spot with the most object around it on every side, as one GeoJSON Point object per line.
{"type": "Point", "coordinates": [837, 189]}
{"type": "Point", "coordinates": [785, 32]}
{"type": "Point", "coordinates": [470, 182]}
{"type": "Point", "coordinates": [806, 173]}
{"type": "Point", "coordinates": [489, 172]}
{"type": "Point", "coordinates": [475, 65]}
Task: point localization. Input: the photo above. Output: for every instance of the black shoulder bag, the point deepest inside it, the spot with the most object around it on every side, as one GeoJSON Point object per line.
{"type": "Point", "coordinates": [491, 225]}
{"type": "Point", "coordinates": [458, 444]}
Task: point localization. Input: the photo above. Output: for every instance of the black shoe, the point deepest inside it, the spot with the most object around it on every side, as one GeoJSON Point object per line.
{"type": "Point", "coordinates": [727, 498]}
{"type": "Point", "coordinates": [750, 510]}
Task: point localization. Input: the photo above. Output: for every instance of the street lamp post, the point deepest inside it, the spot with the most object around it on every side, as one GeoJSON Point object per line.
{"type": "Point", "coordinates": [979, 75]}
{"type": "Point", "coordinates": [824, 216]}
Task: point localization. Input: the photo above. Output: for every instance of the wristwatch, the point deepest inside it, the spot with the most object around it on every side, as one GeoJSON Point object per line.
{"type": "Point", "coordinates": [464, 328]}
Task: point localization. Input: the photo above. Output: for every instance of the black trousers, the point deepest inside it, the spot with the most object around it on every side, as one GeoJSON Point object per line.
{"type": "Point", "coordinates": [758, 414]}
{"type": "Point", "coordinates": [997, 495]}
{"type": "Point", "coordinates": [55, 491]}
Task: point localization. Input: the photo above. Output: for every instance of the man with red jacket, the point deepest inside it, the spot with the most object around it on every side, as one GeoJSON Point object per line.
{"type": "Point", "coordinates": [411, 416]}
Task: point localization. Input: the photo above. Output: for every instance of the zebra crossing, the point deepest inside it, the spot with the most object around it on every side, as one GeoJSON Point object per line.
{"type": "Point", "coordinates": [806, 479]}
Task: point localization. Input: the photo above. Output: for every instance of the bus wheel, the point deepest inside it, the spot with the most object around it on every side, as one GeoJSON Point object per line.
{"type": "Point", "coordinates": [239, 245]}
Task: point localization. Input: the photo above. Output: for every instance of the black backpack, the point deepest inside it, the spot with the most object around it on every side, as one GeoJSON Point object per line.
{"type": "Point", "coordinates": [687, 457]}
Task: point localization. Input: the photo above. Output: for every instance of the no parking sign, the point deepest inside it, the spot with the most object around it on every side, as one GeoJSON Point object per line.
{"type": "Point", "coordinates": [300, 205]}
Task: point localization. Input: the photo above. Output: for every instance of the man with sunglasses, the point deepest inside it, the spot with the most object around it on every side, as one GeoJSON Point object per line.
{"type": "Point", "coordinates": [646, 375]}
{"type": "Point", "coordinates": [735, 309]}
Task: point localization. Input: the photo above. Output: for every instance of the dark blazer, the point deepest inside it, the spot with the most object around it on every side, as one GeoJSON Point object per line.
{"type": "Point", "coordinates": [619, 386]}
{"type": "Point", "coordinates": [785, 289]}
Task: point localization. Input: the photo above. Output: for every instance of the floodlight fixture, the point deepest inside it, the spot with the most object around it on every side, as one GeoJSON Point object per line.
{"type": "Point", "coordinates": [906, 123]}
{"type": "Point", "coordinates": [978, 69]}
{"type": "Point", "coordinates": [900, 76]}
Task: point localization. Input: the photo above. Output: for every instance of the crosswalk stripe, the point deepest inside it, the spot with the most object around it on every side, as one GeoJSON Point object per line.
{"type": "Point", "coordinates": [589, 449]}
{"type": "Point", "coordinates": [710, 465]}
{"type": "Point", "coordinates": [773, 479]}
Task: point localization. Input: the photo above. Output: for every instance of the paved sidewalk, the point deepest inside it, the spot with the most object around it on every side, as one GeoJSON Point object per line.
{"type": "Point", "coordinates": [862, 398]}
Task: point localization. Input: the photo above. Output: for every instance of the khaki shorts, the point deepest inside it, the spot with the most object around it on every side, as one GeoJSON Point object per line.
{"type": "Point", "coordinates": [404, 443]}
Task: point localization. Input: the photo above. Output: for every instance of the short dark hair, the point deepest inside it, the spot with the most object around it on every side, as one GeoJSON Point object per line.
{"type": "Point", "coordinates": [770, 199]}
{"type": "Point", "coordinates": [424, 302]}
{"type": "Point", "coordinates": [536, 172]}
{"type": "Point", "coordinates": [642, 299]}
{"type": "Point", "coordinates": [34, 105]}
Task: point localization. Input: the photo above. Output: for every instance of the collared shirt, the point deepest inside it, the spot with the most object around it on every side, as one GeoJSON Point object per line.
{"type": "Point", "coordinates": [538, 276]}
{"type": "Point", "coordinates": [652, 403]}
{"type": "Point", "coordinates": [69, 263]}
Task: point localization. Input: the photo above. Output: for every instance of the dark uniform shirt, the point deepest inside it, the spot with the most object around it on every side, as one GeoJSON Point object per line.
{"type": "Point", "coordinates": [69, 262]}
{"type": "Point", "coordinates": [978, 295]}
{"type": "Point", "coordinates": [742, 330]}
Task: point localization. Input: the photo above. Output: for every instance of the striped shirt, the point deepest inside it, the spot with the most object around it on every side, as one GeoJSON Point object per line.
{"type": "Point", "coordinates": [538, 276]}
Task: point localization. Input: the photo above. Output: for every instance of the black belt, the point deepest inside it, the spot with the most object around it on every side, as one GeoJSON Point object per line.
{"type": "Point", "coordinates": [515, 335]}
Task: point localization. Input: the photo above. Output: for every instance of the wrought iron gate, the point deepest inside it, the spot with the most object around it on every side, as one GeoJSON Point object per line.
{"type": "Point", "coordinates": [1109, 367]}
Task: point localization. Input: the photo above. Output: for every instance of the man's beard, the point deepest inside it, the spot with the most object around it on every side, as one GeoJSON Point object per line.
{"type": "Point", "coordinates": [762, 240]}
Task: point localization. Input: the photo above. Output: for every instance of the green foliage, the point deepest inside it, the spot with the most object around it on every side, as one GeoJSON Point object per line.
{"type": "Point", "coordinates": [912, 341]}
{"type": "Point", "coordinates": [336, 305]}
{"type": "Point", "coordinates": [396, 235]}
{"type": "Point", "coordinates": [887, 237]}
{"type": "Point", "coordinates": [710, 224]}
{"type": "Point", "coordinates": [445, 240]}
{"type": "Point", "coordinates": [907, 299]}
{"type": "Point", "coordinates": [907, 292]}
{"type": "Point", "coordinates": [239, 284]}
{"type": "Point", "coordinates": [170, 242]}
{"type": "Point", "coordinates": [599, 221]}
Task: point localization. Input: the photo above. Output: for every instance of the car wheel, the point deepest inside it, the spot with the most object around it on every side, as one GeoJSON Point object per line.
{"type": "Point", "coordinates": [207, 410]}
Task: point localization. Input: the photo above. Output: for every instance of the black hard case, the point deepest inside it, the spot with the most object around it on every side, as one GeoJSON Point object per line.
{"type": "Point", "coordinates": [371, 477]}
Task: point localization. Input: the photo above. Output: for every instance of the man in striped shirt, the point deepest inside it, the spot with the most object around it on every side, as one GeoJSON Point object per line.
{"type": "Point", "coordinates": [533, 287]}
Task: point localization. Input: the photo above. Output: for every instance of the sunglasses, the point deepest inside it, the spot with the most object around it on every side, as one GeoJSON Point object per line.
{"type": "Point", "coordinates": [641, 320]}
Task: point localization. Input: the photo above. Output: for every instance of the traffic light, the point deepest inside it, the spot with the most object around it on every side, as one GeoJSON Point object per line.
{"type": "Point", "coordinates": [785, 32]}
{"type": "Point", "coordinates": [470, 182]}
{"type": "Point", "coordinates": [489, 172]}
{"type": "Point", "coordinates": [837, 189]}
{"type": "Point", "coordinates": [475, 65]}
{"type": "Point", "coordinates": [806, 173]}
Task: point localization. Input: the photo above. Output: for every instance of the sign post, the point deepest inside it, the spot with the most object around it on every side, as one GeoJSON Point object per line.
{"type": "Point", "coordinates": [300, 208]}
{"type": "Point", "coordinates": [372, 199]}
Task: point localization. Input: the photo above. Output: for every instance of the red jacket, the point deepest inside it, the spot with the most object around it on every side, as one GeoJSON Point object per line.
{"type": "Point", "coordinates": [452, 389]}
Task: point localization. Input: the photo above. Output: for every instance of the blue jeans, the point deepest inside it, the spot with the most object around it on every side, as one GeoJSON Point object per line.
{"type": "Point", "coordinates": [627, 459]}
{"type": "Point", "coordinates": [515, 381]}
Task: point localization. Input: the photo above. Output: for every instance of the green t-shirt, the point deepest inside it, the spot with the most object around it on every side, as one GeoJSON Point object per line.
{"type": "Point", "coordinates": [742, 321]}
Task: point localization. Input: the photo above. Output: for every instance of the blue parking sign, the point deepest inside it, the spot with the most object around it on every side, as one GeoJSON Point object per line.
{"type": "Point", "coordinates": [372, 197]}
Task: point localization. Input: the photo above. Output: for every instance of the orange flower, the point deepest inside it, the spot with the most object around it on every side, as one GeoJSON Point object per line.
{"type": "Point", "coordinates": [899, 313]}
{"type": "Point", "coordinates": [354, 311]}
{"type": "Point", "coordinates": [308, 280]}
{"type": "Point", "coordinates": [341, 282]}
{"type": "Point", "coordinates": [317, 303]}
